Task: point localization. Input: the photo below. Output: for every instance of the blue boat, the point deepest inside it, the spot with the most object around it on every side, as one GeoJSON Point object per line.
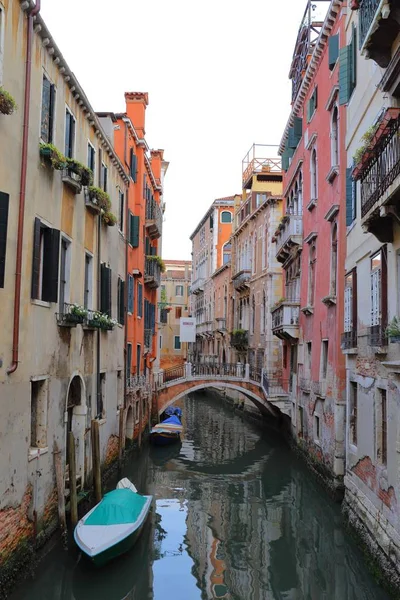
{"type": "Point", "coordinates": [167, 432]}
{"type": "Point", "coordinates": [173, 410]}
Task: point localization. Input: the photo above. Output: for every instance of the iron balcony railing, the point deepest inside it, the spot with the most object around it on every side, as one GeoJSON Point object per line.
{"type": "Point", "coordinates": [197, 285]}
{"type": "Point", "coordinates": [367, 13]}
{"type": "Point", "coordinates": [69, 316]}
{"type": "Point", "coordinates": [240, 339]}
{"type": "Point", "coordinates": [153, 218]}
{"type": "Point", "coordinates": [273, 384]}
{"type": "Point", "coordinates": [377, 336]}
{"type": "Point", "coordinates": [255, 373]}
{"type": "Point", "coordinates": [217, 369]}
{"type": "Point", "coordinates": [241, 279]}
{"type": "Point", "coordinates": [348, 340]}
{"type": "Point", "coordinates": [152, 272]}
{"type": "Point", "coordinates": [286, 314]}
{"type": "Point", "coordinates": [383, 169]}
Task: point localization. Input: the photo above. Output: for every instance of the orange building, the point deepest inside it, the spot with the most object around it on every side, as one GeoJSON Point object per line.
{"type": "Point", "coordinates": [142, 210]}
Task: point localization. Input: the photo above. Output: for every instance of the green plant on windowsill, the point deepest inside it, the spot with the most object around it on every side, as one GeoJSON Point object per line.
{"type": "Point", "coordinates": [366, 139]}
{"type": "Point", "coordinates": [51, 153]}
{"type": "Point", "coordinates": [159, 261]}
{"type": "Point", "coordinates": [7, 102]}
{"type": "Point", "coordinates": [277, 303]}
{"type": "Point", "coordinates": [393, 330]}
{"type": "Point", "coordinates": [109, 218]}
{"type": "Point", "coordinates": [239, 332]}
{"type": "Point", "coordinates": [85, 174]}
{"type": "Point", "coordinates": [102, 321]}
{"type": "Point", "coordinates": [100, 198]}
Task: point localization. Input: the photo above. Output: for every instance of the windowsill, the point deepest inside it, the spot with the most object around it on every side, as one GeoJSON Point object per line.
{"type": "Point", "coordinates": [329, 300]}
{"type": "Point", "coordinates": [40, 303]}
{"type": "Point", "coordinates": [312, 204]}
{"type": "Point", "coordinates": [317, 442]}
{"type": "Point", "coordinates": [333, 173]}
{"type": "Point", "coordinates": [33, 452]}
{"type": "Point", "coordinates": [307, 310]}
{"type": "Point", "coordinates": [120, 325]}
{"type": "Point", "coordinates": [350, 351]}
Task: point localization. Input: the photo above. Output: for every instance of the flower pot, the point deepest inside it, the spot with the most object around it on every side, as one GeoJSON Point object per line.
{"type": "Point", "coordinates": [394, 339]}
{"type": "Point", "coordinates": [7, 105]}
{"type": "Point", "coordinates": [73, 318]}
{"type": "Point", "coordinates": [45, 152]}
{"type": "Point", "coordinates": [94, 323]}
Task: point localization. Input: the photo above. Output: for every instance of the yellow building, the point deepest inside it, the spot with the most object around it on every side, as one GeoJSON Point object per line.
{"type": "Point", "coordinates": [175, 284]}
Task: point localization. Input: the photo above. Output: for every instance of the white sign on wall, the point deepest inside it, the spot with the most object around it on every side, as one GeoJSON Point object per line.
{"type": "Point", "coordinates": [188, 329]}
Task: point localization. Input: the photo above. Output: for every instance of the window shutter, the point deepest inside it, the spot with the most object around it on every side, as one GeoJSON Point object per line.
{"type": "Point", "coordinates": [109, 296]}
{"type": "Point", "coordinates": [4, 202]}
{"type": "Point", "coordinates": [121, 319]}
{"type": "Point", "coordinates": [344, 75]}
{"type": "Point", "coordinates": [67, 133]}
{"type": "Point", "coordinates": [130, 293]}
{"type": "Point", "coordinates": [286, 156]}
{"type": "Point", "coordinates": [349, 197]}
{"type": "Point", "coordinates": [375, 297]}
{"type": "Point", "coordinates": [46, 102]}
{"type": "Point", "coordinates": [354, 200]}
{"type": "Point", "coordinates": [140, 300]}
{"type": "Point", "coordinates": [129, 360]}
{"type": "Point", "coordinates": [333, 50]}
{"type": "Point", "coordinates": [134, 167]}
{"type": "Point", "coordinates": [295, 133]}
{"type": "Point", "coordinates": [353, 61]}
{"type": "Point", "coordinates": [105, 289]}
{"type": "Point", "coordinates": [384, 289]}
{"type": "Point", "coordinates": [354, 309]}
{"type": "Point", "coordinates": [315, 98]}
{"type": "Point", "coordinates": [134, 231]}
{"type": "Point", "coordinates": [348, 305]}
{"type": "Point", "coordinates": [51, 258]}
{"type": "Point", "coordinates": [36, 259]}
{"type": "Point", "coordinates": [52, 110]}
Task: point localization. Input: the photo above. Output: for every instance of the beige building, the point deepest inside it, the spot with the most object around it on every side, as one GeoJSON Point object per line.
{"type": "Point", "coordinates": [61, 365]}
{"type": "Point", "coordinates": [174, 304]}
{"type": "Point", "coordinates": [372, 279]}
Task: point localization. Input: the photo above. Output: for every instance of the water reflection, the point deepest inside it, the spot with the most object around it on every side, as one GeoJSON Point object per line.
{"type": "Point", "coordinates": [236, 517]}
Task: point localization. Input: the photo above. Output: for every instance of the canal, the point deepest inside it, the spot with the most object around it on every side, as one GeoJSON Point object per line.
{"type": "Point", "coordinates": [237, 516]}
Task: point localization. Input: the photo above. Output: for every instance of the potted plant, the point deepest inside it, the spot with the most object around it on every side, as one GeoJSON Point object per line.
{"type": "Point", "coordinates": [77, 314]}
{"type": "Point", "coordinates": [85, 174]}
{"type": "Point", "coordinates": [159, 261]}
{"type": "Point", "coordinates": [101, 321]}
{"type": "Point", "coordinates": [109, 218]}
{"type": "Point", "coordinates": [54, 156]}
{"type": "Point", "coordinates": [7, 102]}
{"type": "Point", "coordinates": [363, 153]}
{"type": "Point", "coordinates": [100, 198]}
{"type": "Point", "coordinates": [393, 330]}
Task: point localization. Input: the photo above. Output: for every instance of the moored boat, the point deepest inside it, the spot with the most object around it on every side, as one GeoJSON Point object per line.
{"type": "Point", "coordinates": [173, 410]}
{"type": "Point", "coordinates": [113, 526]}
{"type": "Point", "coordinates": [167, 432]}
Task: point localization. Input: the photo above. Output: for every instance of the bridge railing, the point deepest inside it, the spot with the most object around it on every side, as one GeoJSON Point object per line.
{"type": "Point", "coordinates": [255, 374]}
{"type": "Point", "coordinates": [173, 373]}
{"type": "Point", "coordinates": [274, 385]}
{"type": "Point", "coordinates": [217, 370]}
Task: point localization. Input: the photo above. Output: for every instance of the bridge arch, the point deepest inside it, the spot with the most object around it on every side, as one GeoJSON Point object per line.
{"type": "Point", "coordinates": [263, 406]}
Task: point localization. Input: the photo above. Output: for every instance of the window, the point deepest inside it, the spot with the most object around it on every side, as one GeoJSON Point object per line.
{"type": "Point", "coordinates": [128, 360]}
{"type": "Point", "coordinates": [134, 230]}
{"type": "Point", "coordinates": [348, 69]}
{"type": "Point", "coordinates": [382, 444]}
{"type": "Point", "coordinates": [353, 408]}
{"type": "Point", "coordinates": [226, 216]}
{"type": "Point", "coordinates": [101, 398]}
{"type": "Point", "coordinates": [178, 312]}
{"type": "Point", "coordinates": [65, 274]}
{"type": "Point", "coordinates": [333, 43]}
{"type": "Point", "coordinates": [262, 315]}
{"type": "Point", "coordinates": [226, 253]}
{"type": "Point", "coordinates": [309, 357]}
{"type": "Point", "coordinates": [39, 395]}
{"type": "Point", "coordinates": [324, 359]}
{"type": "Point", "coordinates": [88, 292]}
{"type": "Point", "coordinates": [177, 342]}
{"type": "Point", "coordinates": [317, 432]}
{"type": "Point", "coordinates": [121, 211]}
{"type": "Point", "coordinates": [91, 159]}
{"type": "Point", "coordinates": [133, 165]}
{"type": "Point", "coordinates": [350, 301]}
{"type": "Point", "coordinates": [131, 288]}
{"type": "Point", "coordinates": [300, 418]}
{"type": "Point", "coordinates": [351, 198]}
{"type": "Point", "coordinates": [121, 301]}
{"type": "Point", "coordinates": [120, 390]}
{"type": "Point", "coordinates": [138, 358]}
{"type": "Point", "coordinates": [104, 177]}
{"type": "Point", "coordinates": [376, 300]}
{"type": "Point", "coordinates": [140, 300]}
{"type": "Point", "coordinates": [105, 289]}
{"type": "Point", "coordinates": [314, 175]}
{"type": "Point", "coordinates": [179, 290]}
{"type": "Point", "coordinates": [45, 262]}
{"type": "Point", "coordinates": [311, 275]}
{"type": "Point", "coordinates": [312, 104]}
{"type": "Point", "coordinates": [69, 134]}
{"type": "Point", "coordinates": [4, 203]}
{"type": "Point", "coordinates": [48, 110]}
{"type": "Point", "coordinates": [253, 315]}
{"type": "Point", "coordinates": [334, 261]}
{"type": "Point", "coordinates": [335, 137]}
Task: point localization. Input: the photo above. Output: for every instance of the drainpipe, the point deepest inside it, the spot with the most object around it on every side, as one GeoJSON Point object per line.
{"type": "Point", "coordinates": [22, 190]}
{"type": "Point", "coordinates": [98, 382]}
{"type": "Point", "coordinates": [126, 296]}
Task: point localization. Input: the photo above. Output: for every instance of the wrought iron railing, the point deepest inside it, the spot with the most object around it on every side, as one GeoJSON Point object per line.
{"type": "Point", "coordinates": [217, 369]}
{"type": "Point", "coordinates": [241, 278]}
{"type": "Point", "coordinates": [273, 384]}
{"type": "Point", "coordinates": [136, 381]}
{"type": "Point", "coordinates": [152, 272]}
{"type": "Point", "coordinates": [255, 373]}
{"type": "Point", "coordinates": [383, 169]}
{"type": "Point", "coordinates": [377, 335]}
{"type": "Point", "coordinates": [69, 316]}
{"type": "Point", "coordinates": [154, 214]}
{"type": "Point", "coordinates": [366, 16]}
{"type": "Point", "coordinates": [286, 314]}
{"type": "Point", "coordinates": [348, 340]}
{"type": "Point", "coordinates": [293, 227]}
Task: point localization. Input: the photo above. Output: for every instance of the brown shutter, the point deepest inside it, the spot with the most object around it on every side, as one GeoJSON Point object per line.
{"type": "Point", "coordinates": [51, 259]}
{"type": "Point", "coordinates": [36, 260]}
{"type": "Point", "coordinates": [384, 286]}
{"type": "Point", "coordinates": [4, 202]}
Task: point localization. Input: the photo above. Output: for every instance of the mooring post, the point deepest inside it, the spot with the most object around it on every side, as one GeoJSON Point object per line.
{"type": "Point", "coordinates": [95, 434]}
{"type": "Point", "coordinates": [121, 434]}
{"type": "Point", "coordinates": [72, 479]}
{"type": "Point", "coordinates": [60, 486]}
{"type": "Point", "coordinates": [247, 371]}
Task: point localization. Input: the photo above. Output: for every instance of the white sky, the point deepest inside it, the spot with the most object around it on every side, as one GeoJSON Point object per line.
{"type": "Point", "coordinates": [217, 77]}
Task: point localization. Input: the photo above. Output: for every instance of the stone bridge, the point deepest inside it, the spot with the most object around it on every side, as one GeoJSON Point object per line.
{"type": "Point", "coordinates": [266, 391]}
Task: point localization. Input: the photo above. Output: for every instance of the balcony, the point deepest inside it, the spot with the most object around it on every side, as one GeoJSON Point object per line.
{"type": "Point", "coordinates": [153, 221]}
{"type": "Point", "coordinates": [240, 339]}
{"type": "Point", "coordinates": [288, 235]}
{"type": "Point", "coordinates": [285, 319]}
{"type": "Point", "coordinates": [378, 170]}
{"type": "Point", "coordinates": [241, 279]}
{"type": "Point", "coordinates": [152, 272]}
{"type": "Point", "coordinates": [197, 285]}
{"type": "Point", "coordinates": [378, 28]}
{"type": "Point", "coordinates": [256, 163]}
{"type": "Point", "coordinates": [220, 324]}
{"type": "Point", "coordinates": [71, 315]}
{"type": "Point", "coordinates": [377, 337]}
{"type": "Point", "coordinates": [348, 340]}
{"type": "Point", "coordinates": [72, 180]}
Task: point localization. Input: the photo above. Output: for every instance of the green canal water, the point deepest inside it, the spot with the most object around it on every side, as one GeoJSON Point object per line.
{"type": "Point", "coordinates": [236, 516]}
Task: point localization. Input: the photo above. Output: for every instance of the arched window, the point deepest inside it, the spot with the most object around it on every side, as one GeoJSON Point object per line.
{"type": "Point", "coordinates": [226, 217]}
{"type": "Point", "coordinates": [311, 275]}
{"type": "Point", "coordinates": [334, 261]}
{"type": "Point", "coordinates": [300, 196]}
{"type": "Point", "coordinates": [226, 253]}
{"type": "Point", "coordinates": [335, 138]}
{"type": "Point", "coordinates": [314, 178]}
{"type": "Point", "coordinates": [253, 315]}
{"type": "Point", "coordinates": [262, 315]}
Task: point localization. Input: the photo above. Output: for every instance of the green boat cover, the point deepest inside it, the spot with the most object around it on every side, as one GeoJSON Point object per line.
{"type": "Point", "coordinates": [117, 507]}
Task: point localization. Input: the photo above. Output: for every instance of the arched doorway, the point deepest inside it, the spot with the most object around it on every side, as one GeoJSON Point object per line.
{"type": "Point", "coordinates": [76, 411]}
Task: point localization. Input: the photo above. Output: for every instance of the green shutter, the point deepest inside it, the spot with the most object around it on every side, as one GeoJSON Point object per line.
{"type": "Point", "coordinates": [286, 156]}
{"type": "Point", "coordinates": [133, 165]}
{"type": "Point", "coordinates": [295, 133]}
{"type": "Point", "coordinates": [344, 75]}
{"type": "Point", "coordinates": [134, 230]}
{"type": "Point", "coordinates": [333, 50]}
{"type": "Point", "coordinates": [349, 197]}
{"type": "Point", "coordinates": [51, 253]}
{"type": "Point", "coordinates": [353, 61]}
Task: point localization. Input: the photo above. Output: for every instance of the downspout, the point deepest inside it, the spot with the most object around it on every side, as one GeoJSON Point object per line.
{"type": "Point", "coordinates": [98, 382]}
{"type": "Point", "coordinates": [126, 297]}
{"type": "Point", "coordinates": [22, 190]}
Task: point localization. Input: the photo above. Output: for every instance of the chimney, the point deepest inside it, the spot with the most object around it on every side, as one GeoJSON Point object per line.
{"type": "Point", "coordinates": [136, 103]}
{"type": "Point", "coordinates": [156, 160]}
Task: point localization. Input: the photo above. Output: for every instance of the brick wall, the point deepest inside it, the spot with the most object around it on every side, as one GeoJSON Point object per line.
{"type": "Point", "coordinates": [15, 527]}
{"type": "Point", "coordinates": [368, 473]}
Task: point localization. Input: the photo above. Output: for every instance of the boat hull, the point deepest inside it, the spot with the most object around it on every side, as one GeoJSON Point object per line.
{"type": "Point", "coordinates": [121, 548]}
{"type": "Point", "coordinates": [164, 438]}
